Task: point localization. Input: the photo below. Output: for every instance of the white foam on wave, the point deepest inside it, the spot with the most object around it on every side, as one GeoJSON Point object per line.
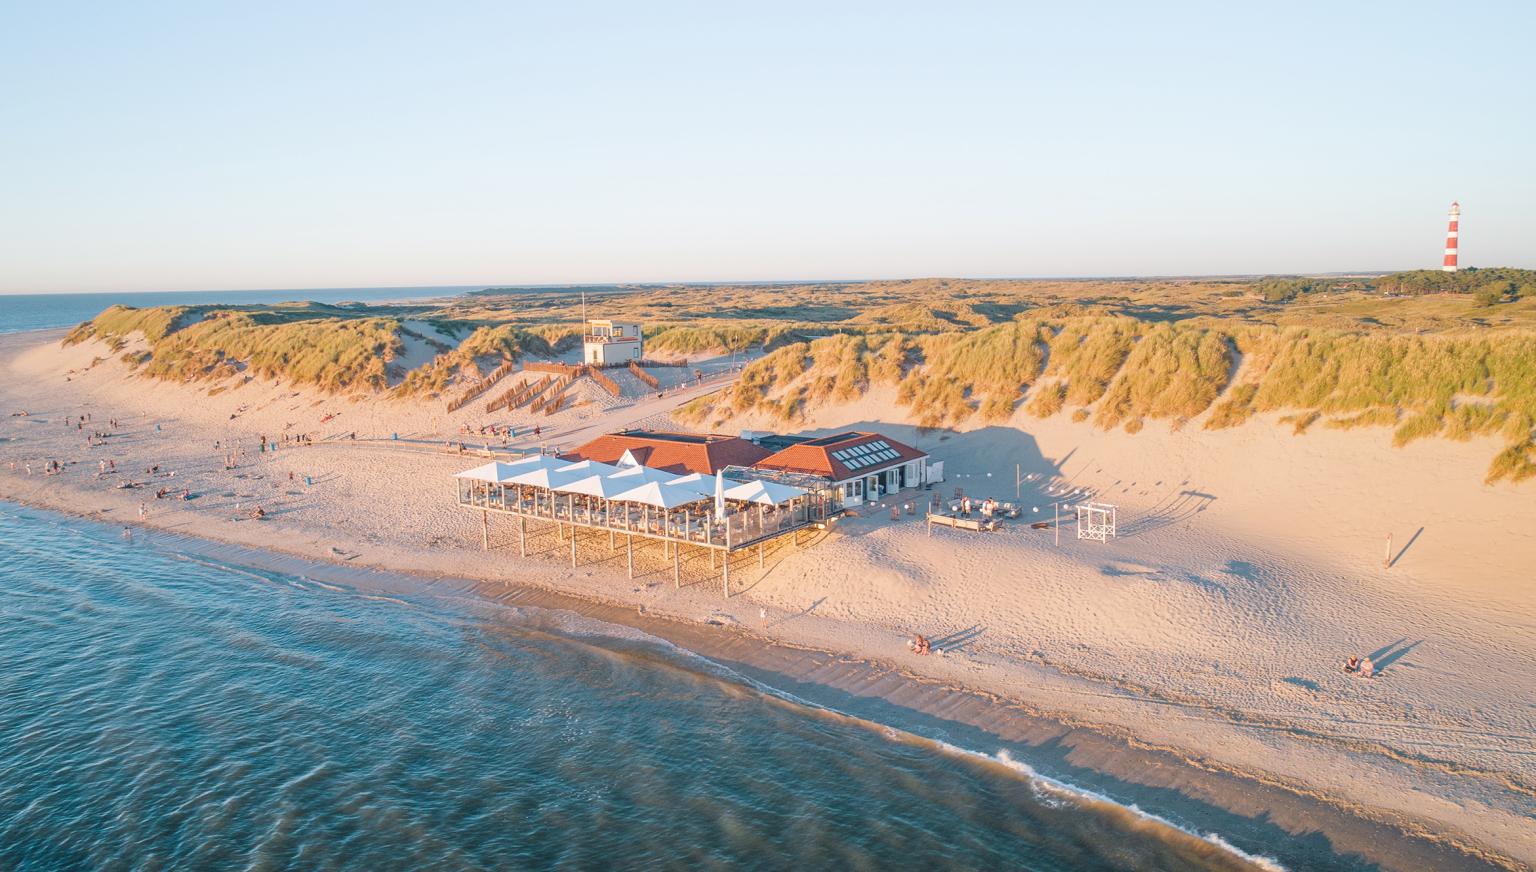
{"type": "Point", "coordinates": [1046, 785]}
{"type": "Point", "coordinates": [1048, 790]}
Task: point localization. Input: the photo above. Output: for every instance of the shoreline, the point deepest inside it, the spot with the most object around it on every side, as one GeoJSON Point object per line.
{"type": "Point", "coordinates": [1257, 820]}
{"type": "Point", "coordinates": [1089, 727]}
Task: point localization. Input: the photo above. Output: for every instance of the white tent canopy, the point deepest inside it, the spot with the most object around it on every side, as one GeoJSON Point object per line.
{"type": "Point", "coordinates": [544, 477]}
{"type": "Point", "coordinates": [638, 475]}
{"type": "Point", "coordinates": [605, 486]}
{"type": "Point", "coordinates": [588, 467]}
{"type": "Point", "coordinates": [768, 493]}
{"type": "Point", "coordinates": [702, 482]}
{"type": "Point", "coordinates": [492, 472]}
{"type": "Point", "coordinates": [660, 495]}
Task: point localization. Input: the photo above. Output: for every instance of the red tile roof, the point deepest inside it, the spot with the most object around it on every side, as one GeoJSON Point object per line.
{"type": "Point", "coordinates": [674, 452]}
{"type": "Point", "coordinates": [816, 457]}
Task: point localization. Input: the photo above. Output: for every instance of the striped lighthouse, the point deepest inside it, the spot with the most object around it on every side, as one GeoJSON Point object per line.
{"type": "Point", "coordinates": [1450, 238]}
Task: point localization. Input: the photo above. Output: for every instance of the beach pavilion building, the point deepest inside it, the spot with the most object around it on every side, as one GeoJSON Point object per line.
{"type": "Point", "coordinates": [858, 466]}
{"type": "Point", "coordinates": [681, 453]}
{"type": "Point", "coordinates": [589, 497]}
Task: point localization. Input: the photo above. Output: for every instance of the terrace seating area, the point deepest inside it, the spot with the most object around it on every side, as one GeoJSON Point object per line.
{"type": "Point", "coordinates": [633, 500]}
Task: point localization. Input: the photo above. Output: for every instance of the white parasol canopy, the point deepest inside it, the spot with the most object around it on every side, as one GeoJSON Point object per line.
{"type": "Point", "coordinates": [768, 493]}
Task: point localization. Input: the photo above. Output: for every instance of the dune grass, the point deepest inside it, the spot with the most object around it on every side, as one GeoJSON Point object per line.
{"type": "Point", "coordinates": [1088, 352]}
{"type": "Point", "coordinates": [984, 371]}
{"type": "Point", "coordinates": [1235, 409]}
{"type": "Point", "coordinates": [333, 354]}
{"type": "Point", "coordinates": [1120, 354]}
{"type": "Point", "coordinates": [1049, 400]}
{"type": "Point", "coordinates": [1173, 372]}
{"type": "Point", "coordinates": [116, 323]}
{"type": "Point", "coordinates": [1515, 463]}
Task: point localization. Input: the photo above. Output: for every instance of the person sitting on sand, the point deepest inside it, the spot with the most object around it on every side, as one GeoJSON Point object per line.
{"type": "Point", "coordinates": [259, 513]}
{"type": "Point", "coordinates": [1352, 664]}
{"type": "Point", "coordinates": [1367, 668]}
{"type": "Point", "coordinates": [919, 644]}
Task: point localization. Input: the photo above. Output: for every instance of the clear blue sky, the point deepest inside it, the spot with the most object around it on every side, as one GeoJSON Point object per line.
{"type": "Point", "coordinates": [194, 146]}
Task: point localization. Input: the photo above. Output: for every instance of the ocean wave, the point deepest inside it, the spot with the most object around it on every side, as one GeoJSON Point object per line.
{"type": "Point", "coordinates": [1048, 790]}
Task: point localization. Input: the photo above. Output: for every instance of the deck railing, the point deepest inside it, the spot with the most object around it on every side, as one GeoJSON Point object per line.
{"type": "Point", "coordinates": [747, 525]}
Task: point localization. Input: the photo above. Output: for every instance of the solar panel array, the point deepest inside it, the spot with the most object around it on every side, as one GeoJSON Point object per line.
{"type": "Point", "coordinates": [868, 454]}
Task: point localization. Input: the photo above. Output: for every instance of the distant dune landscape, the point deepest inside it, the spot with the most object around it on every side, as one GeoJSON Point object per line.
{"type": "Point", "coordinates": [1426, 354]}
{"type": "Point", "coordinates": [1305, 469]}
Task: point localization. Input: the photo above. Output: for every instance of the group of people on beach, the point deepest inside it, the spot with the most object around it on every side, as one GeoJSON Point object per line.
{"type": "Point", "coordinates": [987, 507]}
{"type": "Point", "coordinates": [920, 644]}
{"type": "Point", "coordinates": [1361, 666]}
{"type": "Point", "coordinates": [506, 431]}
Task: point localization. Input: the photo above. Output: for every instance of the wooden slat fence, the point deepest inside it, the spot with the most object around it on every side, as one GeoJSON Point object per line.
{"type": "Point", "coordinates": [608, 384]}
{"type": "Point", "coordinates": [481, 386]}
{"type": "Point", "coordinates": [644, 376]}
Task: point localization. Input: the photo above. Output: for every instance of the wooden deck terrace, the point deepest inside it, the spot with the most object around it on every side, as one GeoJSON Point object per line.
{"type": "Point", "coordinates": [694, 525]}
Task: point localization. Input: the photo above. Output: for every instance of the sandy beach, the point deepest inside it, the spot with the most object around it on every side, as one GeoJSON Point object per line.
{"type": "Point", "coordinates": [1190, 665]}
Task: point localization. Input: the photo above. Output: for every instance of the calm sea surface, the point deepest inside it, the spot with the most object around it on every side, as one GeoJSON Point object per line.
{"type": "Point", "coordinates": [41, 311]}
{"type": "Point", "coordinates": [161, 711]}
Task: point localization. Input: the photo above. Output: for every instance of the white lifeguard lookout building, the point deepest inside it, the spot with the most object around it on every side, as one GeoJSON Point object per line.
{"type": "Point", "coordinates": [609, 343]}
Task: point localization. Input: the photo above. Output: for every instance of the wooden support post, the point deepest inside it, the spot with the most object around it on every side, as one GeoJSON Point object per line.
{"type": "Point", "coordinates": [677, 570]}
{"type": "Point", "coordinates": [1057, 526]}
{"type": "Point", "coordinates": [573, 547]}
{"type": "Point", "coordinates": [629, 551]}
{"type": "Point", "coordinates": [1386, 561]}
{"type": "Point", "coordinates": [725, 572]}
{"type": "Point", "coordinates": [610, 540]}
{"type": "Point", "coordinates": [485, 530]}
{"type": "Point", "coordinates": [522, 536]}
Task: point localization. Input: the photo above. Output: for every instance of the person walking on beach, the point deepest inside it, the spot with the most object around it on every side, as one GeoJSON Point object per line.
{"type": "Point", "coordinates": [143, 511]}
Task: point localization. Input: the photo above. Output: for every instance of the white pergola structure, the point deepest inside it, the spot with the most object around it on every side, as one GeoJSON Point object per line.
{"type": "Point", "coordinates": [1096, 521]}
{"type": "Point", "coordinates": [697, 509]}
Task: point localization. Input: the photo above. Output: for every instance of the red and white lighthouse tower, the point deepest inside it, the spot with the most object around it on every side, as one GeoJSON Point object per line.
{"type": "Point", "coordinates": [1450, 238]}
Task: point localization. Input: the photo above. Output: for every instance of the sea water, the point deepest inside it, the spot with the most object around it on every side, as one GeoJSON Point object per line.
{"type": "Point", "coordinates": [162, 710]}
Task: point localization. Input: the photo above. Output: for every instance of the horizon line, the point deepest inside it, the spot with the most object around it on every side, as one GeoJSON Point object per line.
{"type": "Point", "coordinates": [735, 282]}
